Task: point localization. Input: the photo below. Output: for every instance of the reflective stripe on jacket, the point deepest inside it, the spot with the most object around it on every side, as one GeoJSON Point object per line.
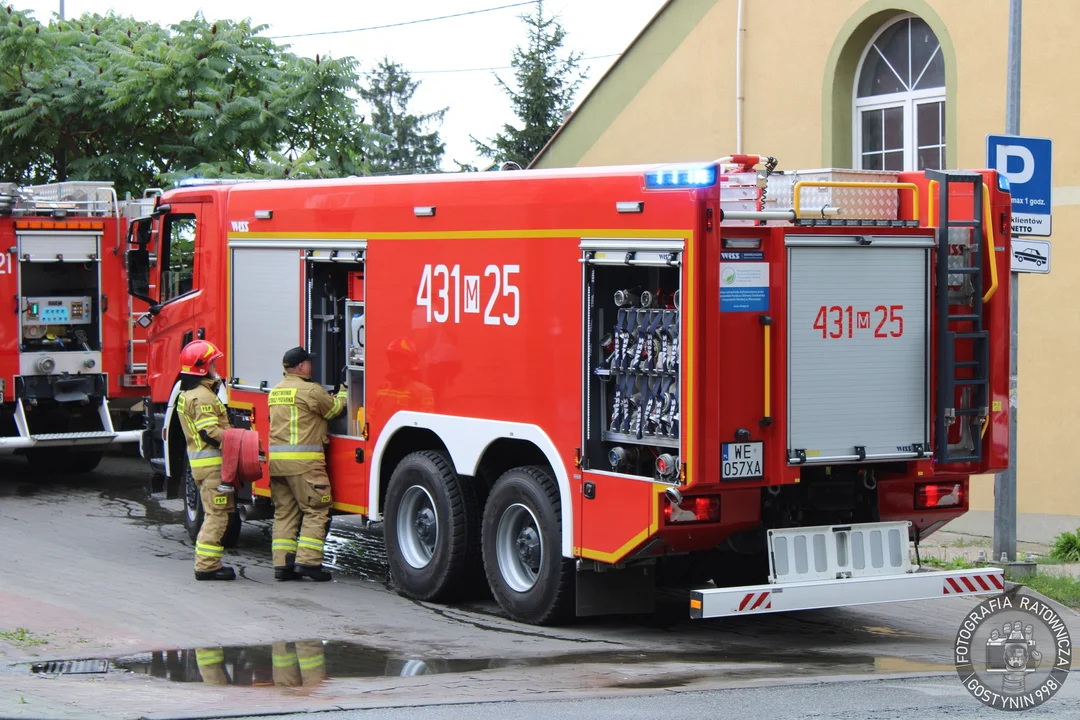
{"type": "Point", "coordinates": [204, 420]}
{"type": "Point", "coordinates": [299, 409]}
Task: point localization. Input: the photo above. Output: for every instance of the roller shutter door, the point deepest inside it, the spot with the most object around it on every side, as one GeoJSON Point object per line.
{"type": "Point", "coordinates": [265, 312]}
{"type": "Point", "coordinates": [858, 347]}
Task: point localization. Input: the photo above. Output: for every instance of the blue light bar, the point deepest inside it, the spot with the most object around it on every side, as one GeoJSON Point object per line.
{"type": "Point", "coordinates": [677, 177]}
{"type": "Point", "coordinates": [1003, 182]}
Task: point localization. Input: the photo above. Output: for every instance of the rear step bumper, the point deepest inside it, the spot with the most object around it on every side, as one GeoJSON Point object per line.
{"type": "Point", "coordinates": [820, 594]}
{"type": "Point", "coordinates": [83, 439]}
{"type": "Point", "coordinates": [106, 436]}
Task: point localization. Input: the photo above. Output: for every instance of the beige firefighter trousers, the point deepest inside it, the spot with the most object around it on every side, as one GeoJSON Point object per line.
{"type": "Point", "coordinates": [216, 509]}
{"type": "Point", "coordinates": [301, 505]}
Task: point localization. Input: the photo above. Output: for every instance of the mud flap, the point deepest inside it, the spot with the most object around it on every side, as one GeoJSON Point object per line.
{"type": "Point", "coordinates": [624, 591]}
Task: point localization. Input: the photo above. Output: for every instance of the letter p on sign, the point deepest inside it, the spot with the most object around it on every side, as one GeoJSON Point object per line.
{"type": "Point", "coordinates": [1027, 166]}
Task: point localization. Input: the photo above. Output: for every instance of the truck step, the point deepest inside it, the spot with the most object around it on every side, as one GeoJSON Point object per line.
{"type": "Point", "coordinates": [77, 438]}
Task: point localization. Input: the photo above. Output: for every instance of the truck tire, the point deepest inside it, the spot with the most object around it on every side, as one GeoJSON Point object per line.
{"type": "Point", "coordinates": [432, 528]}
{"type": "Point", "coordinates": [63, 461]}
{"type": "Point", "coordinates": [522, 547]}
{"type": "Point", "coordinates": [193, 513]}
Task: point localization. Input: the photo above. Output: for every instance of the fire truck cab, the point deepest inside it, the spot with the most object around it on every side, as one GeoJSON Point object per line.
{"type": "Point", "coordinates": [569, 387]}
{"type": "Point", "coordinates": [72, 362]}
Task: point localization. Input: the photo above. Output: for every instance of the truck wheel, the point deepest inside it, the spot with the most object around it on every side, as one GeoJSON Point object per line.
{"type": "Point", "coordinates": [194, 515]}
{"type": "Point", "coordinates": [62, 461]}
{"type": "Point", "coordinates": [431, 529]}
{"type": "Point", "coordinates": [522, 544]}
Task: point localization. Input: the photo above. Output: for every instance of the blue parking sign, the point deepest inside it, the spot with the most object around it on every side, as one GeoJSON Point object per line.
{"type": "Point", "coordinates": [1027, 163]}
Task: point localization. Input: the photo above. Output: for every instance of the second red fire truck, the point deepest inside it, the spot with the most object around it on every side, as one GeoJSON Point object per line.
{"type": "Point", "coordinates": [72, 361]}
{"type": "Point", "coordinates": [571, 386]}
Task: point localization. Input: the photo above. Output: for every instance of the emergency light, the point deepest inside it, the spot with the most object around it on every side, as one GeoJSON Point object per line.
{"type": "Point", "coordinates": [675, 177]}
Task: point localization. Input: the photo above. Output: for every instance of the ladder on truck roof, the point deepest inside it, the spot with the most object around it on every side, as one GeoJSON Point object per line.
{"type": "Point", "coordinates": [970, 375]}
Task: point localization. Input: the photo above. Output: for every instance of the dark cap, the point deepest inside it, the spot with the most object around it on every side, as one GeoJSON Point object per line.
{"type": "Point", "coordinates": [295, 356]}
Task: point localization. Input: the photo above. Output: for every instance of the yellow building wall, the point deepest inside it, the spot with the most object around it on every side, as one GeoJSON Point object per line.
{"type": "Point", "coordinates": [686, 111]}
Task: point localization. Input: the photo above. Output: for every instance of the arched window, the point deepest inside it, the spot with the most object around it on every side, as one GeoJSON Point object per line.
{"type": "Point", "coordinates": [900, 99]}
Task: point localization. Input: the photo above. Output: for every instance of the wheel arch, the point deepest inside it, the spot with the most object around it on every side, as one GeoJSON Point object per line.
{"type": "Point", "coordinates": [473, 445]}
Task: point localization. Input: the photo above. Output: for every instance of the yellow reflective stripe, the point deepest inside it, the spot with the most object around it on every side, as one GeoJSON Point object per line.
{"type": "Point", "coordinates": [296, 456]}
{"type": "Point", "coordinates": [194, 433]}
{"type": "Point", "coordinates": [204, 454]}
{"type": "Point", "coordinates": [309, 663]}
{"type": "Point", "coordinates": [284, 660]}
{"type": "Point", "coordinates": [283, 545]}
{"type": "Point", "coordinates": [294, 425]}
{"type": "Point", "coordinates": [205, 462]}
{"type": "Point", "coordinates": [206, 422]}
{"type": "Point", "coordinates": [335, 408]}
{"type": "Point", "coordinates": [209, 657]}
{"type": "Point", "coordinates": [209, 550]}
{"type": "Point", "coordinates": [311, 543]}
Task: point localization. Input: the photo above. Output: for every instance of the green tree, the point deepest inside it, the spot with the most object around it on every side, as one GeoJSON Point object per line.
{"type": "Point", "coordinates": [404, 146]}
{"type": "Point", "coordinates": [108, 97]}
{"type": "Point", "coordinates": [544, 93]}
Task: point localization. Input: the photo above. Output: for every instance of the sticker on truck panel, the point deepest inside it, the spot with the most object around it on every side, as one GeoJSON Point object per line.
{"type": "Point", "coordinates": [744, 287]}
{"type": "Point", "coordinates": [742, 461]}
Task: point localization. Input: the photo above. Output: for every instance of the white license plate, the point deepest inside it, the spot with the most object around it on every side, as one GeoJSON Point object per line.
{"type": "Point", "coordinates": [742, 460]}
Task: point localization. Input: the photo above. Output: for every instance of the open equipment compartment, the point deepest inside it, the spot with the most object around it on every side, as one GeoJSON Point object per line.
{"type": "Point", "coordinates": [59, 308]}
{"type": "Point", "coordinates": [335, 332]}
{"type": "Point", "coordinates": [633, 363]}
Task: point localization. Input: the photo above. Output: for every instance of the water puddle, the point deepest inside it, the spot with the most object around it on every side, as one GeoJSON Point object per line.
{"type": "Point", "coordinates": [305, 662]}
{"type": "Point", "coordinates": [356, 551]}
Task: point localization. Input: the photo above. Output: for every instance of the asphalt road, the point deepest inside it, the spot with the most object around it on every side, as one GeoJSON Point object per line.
{"type": "Point", "coordinates": [923, 698]}
{"type": "Point", "coordinates": [95, 571]}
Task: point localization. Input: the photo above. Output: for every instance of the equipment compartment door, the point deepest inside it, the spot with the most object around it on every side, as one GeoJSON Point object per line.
{"type": "Point", "coordinates": [858, 339]}
{"type": "Point", "coordinates": [266, 285]}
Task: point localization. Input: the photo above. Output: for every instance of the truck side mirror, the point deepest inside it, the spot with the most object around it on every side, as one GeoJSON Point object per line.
{"type": "Point", "coordinates": [138, 272]}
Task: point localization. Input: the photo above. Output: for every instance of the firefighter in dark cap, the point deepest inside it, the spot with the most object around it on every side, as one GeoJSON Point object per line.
{"type": "Point", "coordinates": [299, 485]}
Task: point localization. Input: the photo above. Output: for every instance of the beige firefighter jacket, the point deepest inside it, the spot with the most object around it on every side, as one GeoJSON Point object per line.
{"type": "Point", "coordinates": [299, 409]}
{"type": "Point", "coordinates": [205, 420]}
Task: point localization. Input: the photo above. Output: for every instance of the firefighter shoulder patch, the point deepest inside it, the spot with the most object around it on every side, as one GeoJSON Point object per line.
{"type": "Point", "coordinates": [206, 408]}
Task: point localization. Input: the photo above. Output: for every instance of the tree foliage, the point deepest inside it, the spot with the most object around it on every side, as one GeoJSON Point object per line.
{"type": "Point", "coordinates": [108, 97]}
{"type": "Point", "coordinates": [545, 88]}
{"type": "Point", "coordinates": [404, 146]}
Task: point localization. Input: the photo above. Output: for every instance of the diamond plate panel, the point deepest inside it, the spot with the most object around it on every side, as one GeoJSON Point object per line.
{"type": "Point", "coordinates": [862, 203]}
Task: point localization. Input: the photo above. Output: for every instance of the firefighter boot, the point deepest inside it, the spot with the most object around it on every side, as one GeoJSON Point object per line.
{"type": "Point", "coordinates": [222, 573]}
{"type": "Point", "coordinates": [286, 571]}
{"type": "Point", "coordinates": [316, 572]}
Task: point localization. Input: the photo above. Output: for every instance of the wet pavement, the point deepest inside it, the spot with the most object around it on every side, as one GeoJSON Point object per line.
{"type": "Point", "coordinates": [100, 578]}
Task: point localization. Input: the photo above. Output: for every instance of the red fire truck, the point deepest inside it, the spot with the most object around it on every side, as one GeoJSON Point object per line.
{"type": "Point", "coordinates": [72, 361]}
{"type": "Point", "coordinates": [585, 383]}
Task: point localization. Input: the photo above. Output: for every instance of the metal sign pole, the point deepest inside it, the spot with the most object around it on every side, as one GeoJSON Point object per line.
{"type": "Point", "coordinates": [1005, 482]}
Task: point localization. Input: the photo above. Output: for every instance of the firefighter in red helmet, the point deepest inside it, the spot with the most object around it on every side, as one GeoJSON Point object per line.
{"type": "Point", "coordinates": [204, 419]}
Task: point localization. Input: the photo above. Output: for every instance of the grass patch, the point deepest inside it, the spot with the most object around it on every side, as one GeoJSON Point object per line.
{"type": "Point", "coordinates": [1066, 547]}
{"type": "Point", "coordinates": [21, 637]}
{"type": "Point", "coordinates": [1066, 590]}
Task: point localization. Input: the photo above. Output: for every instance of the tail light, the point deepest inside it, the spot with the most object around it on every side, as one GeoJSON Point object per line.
{"type": "Point", "coordinates": [938, 495]}
{"type": "Point", "coordinates": [702, 508]}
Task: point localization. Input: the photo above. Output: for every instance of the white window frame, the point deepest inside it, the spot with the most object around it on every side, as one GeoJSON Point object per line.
{"type": "Point", "coordinates": [909, 100]}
